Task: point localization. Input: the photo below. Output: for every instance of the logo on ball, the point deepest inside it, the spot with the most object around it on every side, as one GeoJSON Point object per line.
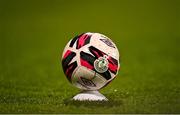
{"type": "Point", "coordinates": [101, 64]}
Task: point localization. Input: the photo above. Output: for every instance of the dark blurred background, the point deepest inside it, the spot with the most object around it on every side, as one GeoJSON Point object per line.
{"type": "Point", "coordinates": [38, 26]}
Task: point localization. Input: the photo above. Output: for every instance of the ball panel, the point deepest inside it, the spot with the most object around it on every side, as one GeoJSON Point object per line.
{"type": "Point", "coordinates": [86, 79]}
{"type": "Point", "coordinates": [83, 40]}
{"type": "Point", "coordinates": [80, 40]}
{"type": "Point", "coordinates": [73, 41]}
{"type": "Point", "coordinates": [99, 80]}
{"type": "Point", "coordinates": [96, 52]}
{"type": "Point", "coordinates": [82, 78]}
{"type": "Point", "coordinates": [113, 65]}
{"type": "Point", "coordinates": [87, 60]}
{"type": "Point", "coordinates": [97, 42]}
{"type": "Point", "coordinates": [69, 67]}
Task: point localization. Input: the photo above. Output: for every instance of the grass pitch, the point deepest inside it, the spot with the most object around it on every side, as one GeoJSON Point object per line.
{"type": "Point", "coordinates": [34, 33]}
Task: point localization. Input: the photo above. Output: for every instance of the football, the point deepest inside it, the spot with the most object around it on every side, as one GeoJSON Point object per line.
{"type": "Point", "coordinates": [90, 61]}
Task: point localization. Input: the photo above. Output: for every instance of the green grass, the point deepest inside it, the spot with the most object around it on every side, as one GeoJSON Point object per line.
{"type": "Point", "coordinates": [34, 33]}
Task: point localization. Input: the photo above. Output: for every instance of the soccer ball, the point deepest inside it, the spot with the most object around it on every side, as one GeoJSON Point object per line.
{"type": "Point", "coordinates": [90, 61]}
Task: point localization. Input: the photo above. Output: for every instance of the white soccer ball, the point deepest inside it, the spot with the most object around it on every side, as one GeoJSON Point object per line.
{"type": "Point", "coordinates": [90, 61]}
